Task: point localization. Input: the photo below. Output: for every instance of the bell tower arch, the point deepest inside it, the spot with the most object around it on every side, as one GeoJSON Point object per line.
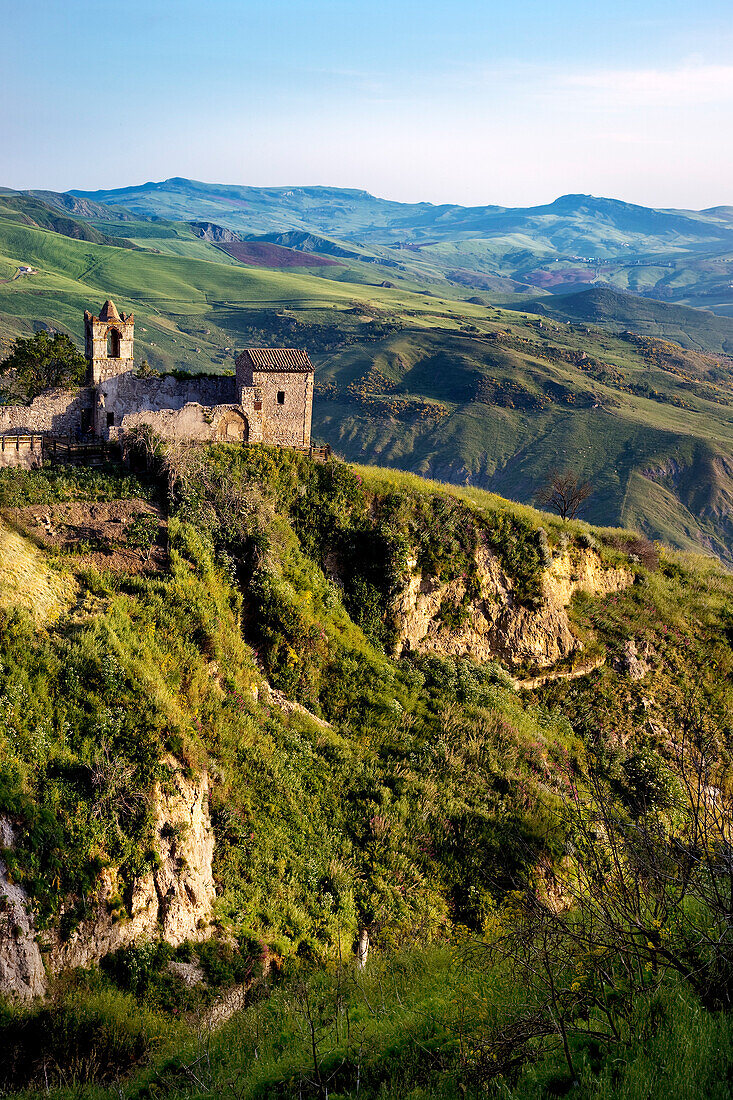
{"type": "Point", "coordinates": [109, 342]}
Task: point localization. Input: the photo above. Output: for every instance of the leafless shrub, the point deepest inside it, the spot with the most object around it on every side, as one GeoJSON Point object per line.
{"type": "Point", "coordinates": [637, 546]}
{"type": "Point", "coordinates": [643, 897]}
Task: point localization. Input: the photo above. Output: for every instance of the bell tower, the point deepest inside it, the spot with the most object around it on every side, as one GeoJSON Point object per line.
{"type": "Point", "coordinates": [109, 340]}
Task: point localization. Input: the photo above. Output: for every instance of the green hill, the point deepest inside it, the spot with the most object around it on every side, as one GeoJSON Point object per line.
{"type": "Point", "coordinates": [691, 328]}
{"type": "Point", "coordinates": [578, 240]}
{"type": "Point", "coordinates": [223, 707]}
{"type": "Point", "coordinates": [41, 215]}
{"type": "Point", "coordinates": [423, 381]}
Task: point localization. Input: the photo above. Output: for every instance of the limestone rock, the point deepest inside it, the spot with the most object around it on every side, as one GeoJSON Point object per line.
{"type": "Point", "coordinates": [21, 967]}
{"type": "Point", "coordinates": [630, 662]}
{"type": "Point", "coordinates": [190, 973]}
{"type": "Point", "coordinates": [497, 626]}
{"type": "Point", "coordinates": [173, 901]}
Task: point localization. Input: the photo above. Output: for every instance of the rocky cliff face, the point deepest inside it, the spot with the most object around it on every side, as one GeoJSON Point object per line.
{"type": "Point", "coordinates": [210, 231]}
{"type": "Point", "coordinates": [173, 901]}
{"type": "Point", "coordinates": [21, 966]}
{"type": "Point", "coordinates": [495, 625]}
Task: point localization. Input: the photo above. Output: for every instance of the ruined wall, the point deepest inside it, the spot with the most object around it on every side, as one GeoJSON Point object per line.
{"type": "Point", "coordinates": [197, 408]}
{"type": "Point", "coordinates": [287, 424]}
{"type": "Point", "coordinates": [220, 423]}
{"type": "Point", "coordinates": [57, 411]}
{"type": "Point", "coordinates": [126, 394]}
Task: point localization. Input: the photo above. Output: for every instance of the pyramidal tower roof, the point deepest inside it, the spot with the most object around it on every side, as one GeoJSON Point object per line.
{"type": "Point", "coordinates": [108, 312]}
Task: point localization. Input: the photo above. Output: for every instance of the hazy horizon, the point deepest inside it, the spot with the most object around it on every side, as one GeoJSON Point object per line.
{"type": "Point", "coordinates": [385, 198]}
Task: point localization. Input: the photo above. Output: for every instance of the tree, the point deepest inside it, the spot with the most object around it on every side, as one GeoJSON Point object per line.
{"type": "Point", "coordinates": [38, 363]}
{"type": "Point", "coordinates": [565, 493]}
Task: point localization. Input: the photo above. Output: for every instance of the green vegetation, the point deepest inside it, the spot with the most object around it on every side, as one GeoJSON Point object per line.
{"type": "Point", "coordinates": [56, 483]}
{"type": "Point", "coordinates": [691, 328]}
{"type": "Point", "coordinates": [31, 211]}
{"type": "Point", "coordinates": [423, 799]}
{"type": "Point", "coordinates": [434, 383]}
{"type": "Point", "coordinates": [40, 363]}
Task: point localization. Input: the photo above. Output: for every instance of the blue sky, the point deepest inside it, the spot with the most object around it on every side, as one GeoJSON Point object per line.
{"type": "Point", "coordinates": [470, 102]}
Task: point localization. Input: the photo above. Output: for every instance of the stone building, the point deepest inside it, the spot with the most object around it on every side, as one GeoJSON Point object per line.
{"type": "Point", "coordinates": [268, 400]}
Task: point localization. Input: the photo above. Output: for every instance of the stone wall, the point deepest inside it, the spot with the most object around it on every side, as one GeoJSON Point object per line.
{"type": "Point", "coordinates": [23, 451]}
{"type": "Point", "coordinates": [57, 411]}
{"type": "Point", "coordinates": [196, 408]}
{"type": "Point", "coordinates": [287, 424]}
{"type": "Point", "coordinates": [220, 423]}
{"type": "Point", "coordinates": [126, 394]}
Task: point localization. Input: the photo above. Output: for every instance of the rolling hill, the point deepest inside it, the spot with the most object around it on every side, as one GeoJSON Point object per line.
{"type": "Point", "coordinates": [577, 240]}
{"type": "Point", "coordinates": [691, 328]}
{"type": "Point", "coordinates": [417, 378]}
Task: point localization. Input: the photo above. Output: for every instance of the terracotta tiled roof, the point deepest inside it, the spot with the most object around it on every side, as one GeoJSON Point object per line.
{"type": "Point", "coordinates": [278, 359]}
{"type": "Point", "coordinates": [108, 312]}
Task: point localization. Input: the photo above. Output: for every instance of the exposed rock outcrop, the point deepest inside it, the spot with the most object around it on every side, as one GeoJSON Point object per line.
{"type": "Point", "coordinates": [631, 662]}
{"type": "Point", "coordinates": [496, 625]}
{"type": "Point", "coordinates": [21, 965]}
{"type": "Point", "coordinates": [210, 231]}
{"type": "Point", "coordinates": [173, 901]}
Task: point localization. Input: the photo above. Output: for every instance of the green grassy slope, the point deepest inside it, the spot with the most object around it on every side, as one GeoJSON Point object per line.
{"type": "Point", "coordinates": [426, 797]}
{"type": "Point", "coordinates": [692, 328]}
{"type": "Point", "coordinates": [33, 212]}
{"type": "Point", "coordinates": [427, 383]}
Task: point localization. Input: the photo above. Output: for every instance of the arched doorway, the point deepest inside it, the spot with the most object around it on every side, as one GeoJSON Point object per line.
{"type": "Point", "coordinates": [232, 428]}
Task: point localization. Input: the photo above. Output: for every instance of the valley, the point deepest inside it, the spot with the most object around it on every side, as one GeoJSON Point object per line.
{"type": "Point", "coordinates": [415, 372]}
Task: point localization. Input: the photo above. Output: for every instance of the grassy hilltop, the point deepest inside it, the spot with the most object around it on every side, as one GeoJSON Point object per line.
{"type": "Point", "coordinates": [415, 375]}
{"type": "Point", "coordinates": [421, 798]}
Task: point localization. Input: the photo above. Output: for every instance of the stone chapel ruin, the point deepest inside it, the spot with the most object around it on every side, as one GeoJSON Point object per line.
{"type": "Point", "coordinates": [268, 400]}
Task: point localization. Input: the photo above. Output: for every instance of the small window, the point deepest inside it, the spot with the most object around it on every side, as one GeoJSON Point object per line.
{"type": "Point", "coordinates": [281, 397]}
{"type": "Point", "coordinates": [110, 420]}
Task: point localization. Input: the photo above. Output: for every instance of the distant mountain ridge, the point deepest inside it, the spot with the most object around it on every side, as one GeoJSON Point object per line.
{"type": "Point", "coordinates": [574, 241]}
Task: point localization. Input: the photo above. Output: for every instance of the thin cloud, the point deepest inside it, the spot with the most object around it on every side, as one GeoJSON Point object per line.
{"type": "Point", "coordinates": [684, 86]}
